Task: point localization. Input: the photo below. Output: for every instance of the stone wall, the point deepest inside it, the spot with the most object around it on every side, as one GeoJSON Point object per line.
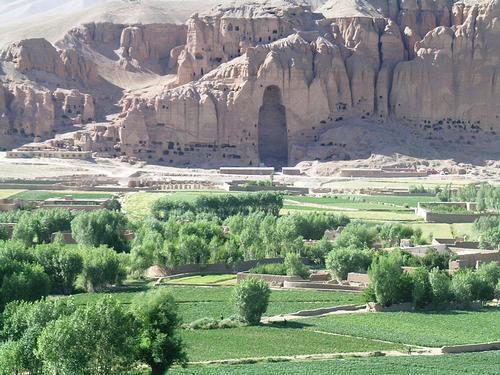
{"type": "Point", "coordinates": [471, 347]}
{"type": "Point", "coordinates": [318, 285]}
{"type": "Point", "coordinates": [471, 260]}
{"type": "Point", "coordinates": [273, 280]}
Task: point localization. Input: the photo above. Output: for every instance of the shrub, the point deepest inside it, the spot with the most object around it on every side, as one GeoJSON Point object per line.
{"type": "Point", "coordinates": [295, 266]}
{"type": "Point", "coordinates": [210, 323]}
{"type": "Point", "coordinates": [251, 298]}
{"type": "Point", "coordinates": [488, 274]}
{"type": "Point", "coordinates": [341, 261]}
{"type": "Point", "coordinates": [369, 294]}
{"type": "Point", "coordinates": [270, 269]}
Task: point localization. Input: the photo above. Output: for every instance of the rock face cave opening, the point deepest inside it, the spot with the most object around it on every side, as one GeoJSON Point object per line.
{"type": "Point", "coordinates": [273, 137]}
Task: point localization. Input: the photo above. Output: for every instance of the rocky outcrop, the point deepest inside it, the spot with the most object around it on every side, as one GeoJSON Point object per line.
{"type": "Point", "coordinates": [137, 47]}
{"type": "Point", "coordinates": [74, 107]}
{"type": "Point", "coordinates": [270, 82]}
{"type": "Point", "coordinates": [34, 54]}
{"type": "Point", "coordinates": [359, 69]}
{"type": "Point", "coordinates": [453, 81]}
{"type": "Point", "coordinates": [150, 46]}
{"type": "Point", "coordinates": [26, 111]}
{"type": "Point", "coordinates": [226, 31]}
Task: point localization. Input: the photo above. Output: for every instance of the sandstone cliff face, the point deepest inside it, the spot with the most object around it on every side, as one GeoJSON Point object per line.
{"type": "Point", "coordinates": [225, 32]}
{"type": "Point", "coordinates": [270, 82]}
{"type": "Point", "coordinates": [136, 47]}
{"type": "Point", "coordinates": [359, 68]}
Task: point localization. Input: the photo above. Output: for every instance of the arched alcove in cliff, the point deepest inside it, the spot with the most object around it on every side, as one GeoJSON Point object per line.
{"type": "Point", "coordinates": [273, 139]}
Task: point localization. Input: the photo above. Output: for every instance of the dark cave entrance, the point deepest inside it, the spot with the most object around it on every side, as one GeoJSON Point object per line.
{"type": "Point", "coordinates": [273, 137]}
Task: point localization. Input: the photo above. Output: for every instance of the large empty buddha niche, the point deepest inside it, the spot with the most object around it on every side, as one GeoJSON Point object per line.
{"type": "Point", "coordinates": [273, 142]}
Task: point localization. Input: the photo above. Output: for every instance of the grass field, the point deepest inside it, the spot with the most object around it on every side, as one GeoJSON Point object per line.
{"type": "Point", "coordinates": [47, 194]}
{"type": "Point", "coordinates": [427, 329]}
{"type": "Point", "coordinates": [441, 230]}
{"type": "Point", "coordinates": [138, 205]}
{"type": "Point", "coordinates": [470, 363]}
{"type": "Point", "coordinates": [366, 202]}
{"type": "Point", "coordinates": [199, 302]}
{"type": "Point", "coordinates": [207, 280]}
{"type": "Point", "coordinates": [360, 215]}
{"type": "Point", "coordinates": [252, 342]}
{"type": "Point", "coordinates": [7, 193]}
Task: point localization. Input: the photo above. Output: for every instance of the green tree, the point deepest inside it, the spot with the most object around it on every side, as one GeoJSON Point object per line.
{"type": "Point", "coordinates": [37, 226]}
{"type": "Point", "coordinates": [23, 323]}
{"type": "Point", "coordinates": [102, 227]}
{"type": "Point", "coordinates": [357, 235]}
{"type": "Point", "coordinates": [22, 281]}
{"type": "Point", "coordinates": [422, 290]}
{"type": "Point", "coordinates": [62, 264]}
{"type": "Point", "coordinates": [317, 251]}
{"type": "Point", "coordinates": [251, 298]}
{"type": "Point", "coordinates": [295, 266]}
{"type": "Point", "coordinates": [341, 261]}
{"type": "Point", "coordinates": [160, 344]}
{"type": "Point", "coordinates": [466, 286]}
{"type": "Point", "coordinates": [385, 275]}
{"type": "Point", "coordinates": [440, 287]}
{"type": "Point", "coordinates": [99, 338]}
{"type": "Point", "coordinates": [101, 268]}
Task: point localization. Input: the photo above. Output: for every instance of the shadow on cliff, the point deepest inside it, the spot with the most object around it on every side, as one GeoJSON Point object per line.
{"type": "Point", "coordinates": [360, 139]}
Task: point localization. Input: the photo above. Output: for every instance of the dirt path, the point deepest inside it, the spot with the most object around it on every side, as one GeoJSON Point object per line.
{"type": "Point", "coordinates": [317, 313]}
{"type": "Point", "coordinates": [323, 356]}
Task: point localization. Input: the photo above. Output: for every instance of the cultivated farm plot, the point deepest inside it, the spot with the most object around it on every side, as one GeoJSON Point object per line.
{"type": "Point", "coordinates": [40, 195]}
{"type": "Point", "coordinates": [379, 216]}
{"type": "Point", "coordinates": [200, 302]}
{"type": "Point", "coordinates": [487, 363]}
{"type": "Point", "coordinates": [254, 342]}
{"type": "Point", "coordinates": [417, 328]}
{"type": "Point", "coordinates": [229, 279]}
{"type": "Point", "coordinates": [362, 207]}
{"type": "Point", "coordinates": [138, 205]}
{"type": "Point", "coordinates": [8, 193]}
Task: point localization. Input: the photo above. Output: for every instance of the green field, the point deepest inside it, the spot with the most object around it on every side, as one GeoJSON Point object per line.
{"type": "Point", "coordinates": [470, 363]}
{"type": "Point", "coordinates": [360, 215]}
{"type": "Point", "coordinates": [40, 195]}
{"type": "Point", "coordinates": [138, 205]}
{"type": "Point", "coordinates": [417, 328]}
{"type": "Point", "coordinates": [200, 302]}
{"type": "Point", "coordinates": [367, 202]}
{"type": "Point", "coordinates": [362, 207]}
{"type": "Point", "coordinates": [206, 280]}
{"type": "Point", "coordinates": [254, 342]}
{"type": "Point", "coordinates": [7, 193]}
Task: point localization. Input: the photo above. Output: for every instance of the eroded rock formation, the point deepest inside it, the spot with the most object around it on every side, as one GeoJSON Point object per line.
{"type": "Point", "coordinates": [268, 82]}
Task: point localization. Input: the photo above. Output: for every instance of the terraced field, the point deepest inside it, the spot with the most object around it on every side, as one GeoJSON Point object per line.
{"type": "Point", "coordinates": [470, 363]}
{"type": "Point", "coordinates": [417, 328]}
{"type": "Point", "coordinates": [200, 302]}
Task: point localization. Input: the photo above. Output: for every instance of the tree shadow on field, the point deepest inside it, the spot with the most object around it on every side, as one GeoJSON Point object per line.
{"type": "Point", "coordinates": [288, 324]}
